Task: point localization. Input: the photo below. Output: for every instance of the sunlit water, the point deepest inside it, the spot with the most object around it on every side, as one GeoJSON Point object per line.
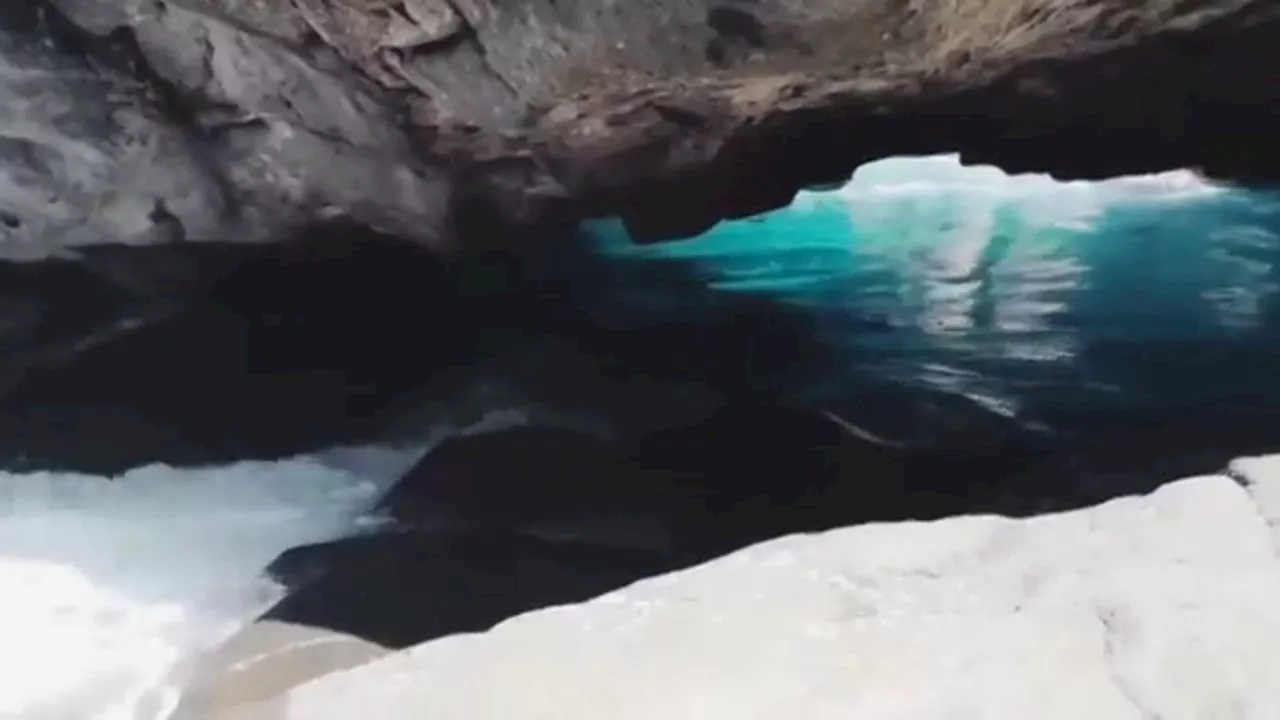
{"type": "Point", "coordinates": [1045, 301]}
{"type": "Point", "coordinates": [1032, 299]}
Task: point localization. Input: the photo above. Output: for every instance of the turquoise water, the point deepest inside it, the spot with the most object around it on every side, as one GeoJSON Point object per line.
{"type": "Point", "coordinates": [1047, 303]}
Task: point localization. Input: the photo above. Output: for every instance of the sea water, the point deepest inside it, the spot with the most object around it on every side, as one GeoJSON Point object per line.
{"type": "Point", "coordinates": [108, 584]}
{"type": "Point", "coordinates": [1049, 303]}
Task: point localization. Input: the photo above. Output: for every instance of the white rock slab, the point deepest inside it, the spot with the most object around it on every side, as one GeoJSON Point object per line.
{"type": "Point", "coordinates": [1165, 606]}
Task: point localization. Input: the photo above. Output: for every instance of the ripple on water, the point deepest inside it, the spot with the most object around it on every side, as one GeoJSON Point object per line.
{"type": "Point", "coordinates": [1030, 297]}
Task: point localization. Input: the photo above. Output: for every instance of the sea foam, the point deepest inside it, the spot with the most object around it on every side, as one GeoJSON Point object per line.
{"type": "Point", "coordinates": [108, 585]}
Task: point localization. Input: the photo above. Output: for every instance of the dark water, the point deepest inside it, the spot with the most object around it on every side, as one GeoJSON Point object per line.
{"type": "Point", "coordinates": [1056, 308]}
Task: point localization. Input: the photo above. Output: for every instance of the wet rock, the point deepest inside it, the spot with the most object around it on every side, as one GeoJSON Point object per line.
{"type": "Point", "coordinates": [760, 469]}
{"type": "Point", "coordinates": [747, 471]}
{"type": "Point", "coordinates": [399, 588]}
{"type": "Point", "coordinates": [491, 525]}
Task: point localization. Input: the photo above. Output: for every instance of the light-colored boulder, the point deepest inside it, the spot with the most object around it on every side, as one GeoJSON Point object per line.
{"type": "Point", "coordinates": [1163, 606]}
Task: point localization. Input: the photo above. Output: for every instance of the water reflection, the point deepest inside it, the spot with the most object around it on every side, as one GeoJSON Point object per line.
{"type": "Point", "coordinates": [1032, 298]}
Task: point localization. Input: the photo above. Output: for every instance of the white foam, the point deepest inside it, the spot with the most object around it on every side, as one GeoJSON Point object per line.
{"type": "Point", "coordinates": [884, 186]}
{"type": "Point", "coordinates": [940, 173]}
{"type": "Point", "coordinates": [107, 585]}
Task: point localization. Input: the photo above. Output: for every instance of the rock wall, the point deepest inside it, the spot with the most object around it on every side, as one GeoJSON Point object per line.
{"type": "Point", "coordinates": [257, 115]}
{"type": "Point", "coordinates": [140, 123]}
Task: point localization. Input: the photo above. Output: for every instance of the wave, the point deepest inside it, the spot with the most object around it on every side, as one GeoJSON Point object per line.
{"type": "Point", "coordinates": [113, 585]}
{"type": "Point", "coordinates": [110, 582]}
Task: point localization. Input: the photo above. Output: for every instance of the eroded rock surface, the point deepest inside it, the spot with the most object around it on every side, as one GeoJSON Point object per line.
{"type": "Point", "coordinates": [671, 113]}
{"type": "Point", "coordinates": [162, 123]}
{"type": "Point", "coordinates": [264, 660]}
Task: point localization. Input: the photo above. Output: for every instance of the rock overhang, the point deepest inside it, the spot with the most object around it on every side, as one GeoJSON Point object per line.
{"type": "Point", "coordinates": [671, 114]}
{"type": "Point", "coordinates": [673, 159]}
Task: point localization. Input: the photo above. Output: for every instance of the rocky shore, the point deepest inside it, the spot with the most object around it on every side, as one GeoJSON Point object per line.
{"type": "Point", "coordinates": [1155, 605]}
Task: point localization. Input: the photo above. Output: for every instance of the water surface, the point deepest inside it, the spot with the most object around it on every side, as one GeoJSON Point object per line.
{"type": "Point", "coordinates": [1053, 304]}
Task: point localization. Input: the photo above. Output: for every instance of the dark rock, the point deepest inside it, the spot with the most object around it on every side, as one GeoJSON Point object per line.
{"type": "Point", "coordinates": [1100, 89]}
{"type": "Point", "coordinates": [737, 24]}
{"type": "Point", "coordinates": [145, 105]}
{"type": "Point", "coordinates": [525, 478]}
{"type": "Point", "coordinates": [494, 525]}
{"type": "Point", "coordinates": [400, 589]}
{"type": "Point", "coordinates": [746, 472]}
{"type": "Point", "coordinates": [761, 470]}
{"type": "Point", "coordinates": [146, 143]}
{"type": "Point", "coordinates": [1134, 452]}
{"type": "Point", "coordinates": [246, 124]}
{"type": "Point", "coordinates": [290, 348]}
{"type": "Point", "coordinates": [205, 352]}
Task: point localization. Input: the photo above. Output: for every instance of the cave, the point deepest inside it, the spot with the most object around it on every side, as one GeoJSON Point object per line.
{"type": "Point", "coordinates": [618, 279]}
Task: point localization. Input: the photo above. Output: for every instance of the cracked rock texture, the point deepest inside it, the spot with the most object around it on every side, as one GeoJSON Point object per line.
{"type": "Point", "coordinates": [233, 118]}
{"type": "Point", "coordinates": [149, 155]}
{"type": "Point", "coordinates": [146, 122]}
{"type": "Point", "coordinates": [1160, 606]}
